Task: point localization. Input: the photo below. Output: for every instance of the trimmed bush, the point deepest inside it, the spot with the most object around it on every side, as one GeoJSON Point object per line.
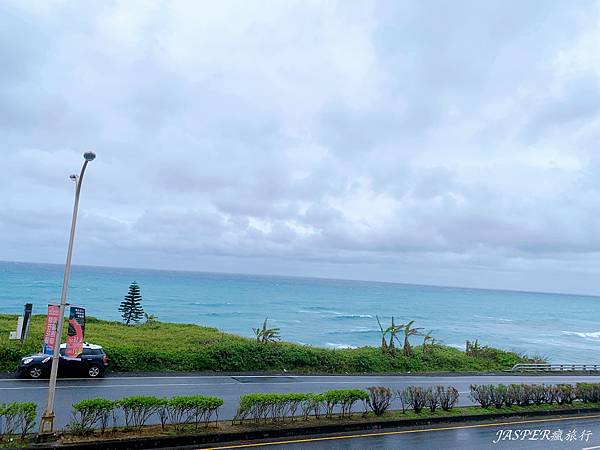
{"type": "Point", "coordinates": [193, 409]}
{"type": "Point", "coordinates": [138, 409]}
{"type": "Point", "coordinates": [482, 394]}
{"type": "Point", "coordinates": [17, 419]}
{"type": "Point", "coordinates": [564, 394]}
{"type": "Point", "coordinates": [588, 392]}
{"type": "Point", "coordinates": [344, 400]}
{"type": "Point", "coordinates": [414, 397]}
{"type": "Point", "coordinates": [277, 407]}
{"type": "Point", "coordinates": [380, 399]}
{"type": "Point", "coordinates": [91, 414]}
{"type": "Point", "coordinates": [448, 397]}
{"type": "Point", "coordinates": [432, 399]}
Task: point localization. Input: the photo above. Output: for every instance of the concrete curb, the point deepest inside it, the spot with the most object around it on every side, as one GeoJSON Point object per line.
{"type": "Point", "coordinates": [265, 432]}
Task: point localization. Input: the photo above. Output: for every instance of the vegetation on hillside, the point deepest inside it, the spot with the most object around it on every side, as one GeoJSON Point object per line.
{"type": "Point", "coordinates": [158, 346]}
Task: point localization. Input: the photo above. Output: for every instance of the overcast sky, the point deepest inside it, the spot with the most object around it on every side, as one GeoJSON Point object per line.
{"type": "Point", "coordinates": [425, 142]}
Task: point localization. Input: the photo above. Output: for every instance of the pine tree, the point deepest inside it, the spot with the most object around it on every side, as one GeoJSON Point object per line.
{"type": "Point", "coordinates": [131, 308]}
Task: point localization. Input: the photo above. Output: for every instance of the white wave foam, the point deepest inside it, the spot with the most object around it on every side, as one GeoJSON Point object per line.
{"type": "Point", "coordinates": [588, 335]}
{"type": "Point", "coordinates": [321, 312]}
{"type": "Point", "coordinates": [358, 330]}
{"type": "Point", "coordinates": [339, 346]}
{"type": "Point", "coordinates": [354, 316]}
{"type": "Point", "coordinates": [500, 319]}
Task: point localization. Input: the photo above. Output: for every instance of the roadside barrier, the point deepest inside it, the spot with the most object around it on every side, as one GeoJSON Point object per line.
{"type": "Point", "coordinates": [555, 368]}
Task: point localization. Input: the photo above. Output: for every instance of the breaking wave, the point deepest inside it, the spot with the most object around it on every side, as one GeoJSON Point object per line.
{"type": "Point", "coordinates": [339, 346]}
{"type": "Point", "coordinates": [357, 330]}
{"type": "Point", "coordinates": [588, 335]}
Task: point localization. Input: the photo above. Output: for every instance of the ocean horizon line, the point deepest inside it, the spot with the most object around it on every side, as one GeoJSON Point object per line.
{"type": "Point", "coordinates": [303, 277]}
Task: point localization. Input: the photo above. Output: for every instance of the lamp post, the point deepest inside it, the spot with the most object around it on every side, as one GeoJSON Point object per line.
{"type": "Point", "coordinates": [47, 421]}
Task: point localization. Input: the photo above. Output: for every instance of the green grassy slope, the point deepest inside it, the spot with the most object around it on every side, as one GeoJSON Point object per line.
{"type": "Point", "coordinates": [186, 347]}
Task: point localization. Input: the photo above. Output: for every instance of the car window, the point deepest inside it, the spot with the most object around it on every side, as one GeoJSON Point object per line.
{"type": "Point", "coordinates": [92, 351]}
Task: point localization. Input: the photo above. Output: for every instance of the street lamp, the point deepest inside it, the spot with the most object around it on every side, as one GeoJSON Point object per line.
{"type": "Point", "coordinates": [47, 421]}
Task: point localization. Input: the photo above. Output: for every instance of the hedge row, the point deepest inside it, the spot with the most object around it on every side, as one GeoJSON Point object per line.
{"type": "Point", "coordinates": [526, 394]}
{"type": "Point", "coordinates": [17, 419]}
{"type": "Point", "coordinates": [178, 412]}
{"type": "Point", "coordinates": [278, 407]}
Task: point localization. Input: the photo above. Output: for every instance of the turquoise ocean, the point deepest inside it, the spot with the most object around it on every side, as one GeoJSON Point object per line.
{"type": "Point", "coordinates": [322, 312]}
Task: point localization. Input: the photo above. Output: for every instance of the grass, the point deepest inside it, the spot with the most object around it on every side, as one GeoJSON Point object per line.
{"type": "Point", "coordinates": [186, 347]}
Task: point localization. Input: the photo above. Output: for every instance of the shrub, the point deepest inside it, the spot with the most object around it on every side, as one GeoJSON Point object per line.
{"type": "Point", "coordinates": [193, 409]}
{"type": "Point", "coordinates": [312, 403]}
{"type": "Point", "coordinates": [414, 397]}
{"type": "Point", "coordinates": [138, 409]}
{"type": "Point", "coordinates": [344, 399]}
{"type": "Point", "coordinates": [482, 394]}
{"type": "Point", "coordinates": [379, 399]}
{"type": "Point", "coordinates": [448, 397]}
{"type": "Point", "coordinates": [92, 413]}
{"type": "Point", "coordinates": [432, 399]}
{"type": "Point", "coordinates": [512, 395]}
{"type": "Point", "coordinates": [498, 395]}
{"type": "Point", "coordinates": [588, 392]}
{"type": "Point", "coordinates": [163, 411]}
{"type": "Point", "coordinates": [261, 407]}
{"type": "Point", "coordinates": [538, 394]}
{"type": "Point", "coordinates": [564, 394]}
{"type": "Point", "coordinates": [17, 418]}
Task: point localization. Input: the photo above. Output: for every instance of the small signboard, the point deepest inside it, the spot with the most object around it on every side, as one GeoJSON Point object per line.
{"type": "Point", "coordinates": [22, 331]}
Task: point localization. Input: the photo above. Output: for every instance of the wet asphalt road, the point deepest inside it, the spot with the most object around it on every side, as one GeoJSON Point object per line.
{"type": "Point", "coordinates": [568, 433]}
{"type": "Point", "coordinates": [229, 388]}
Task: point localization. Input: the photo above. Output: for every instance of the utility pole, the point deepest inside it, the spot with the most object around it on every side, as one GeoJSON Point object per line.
{"type": "Point", "coordinates": [47, 421]}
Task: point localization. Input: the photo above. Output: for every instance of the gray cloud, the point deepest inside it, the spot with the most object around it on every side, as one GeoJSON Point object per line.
{"type": "Point", "coordinates": [417, 142]}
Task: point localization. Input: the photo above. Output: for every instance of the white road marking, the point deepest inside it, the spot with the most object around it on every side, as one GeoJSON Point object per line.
{"type": "Point", "coordinates": [108, 386]}
{"type": "Point", "coordinates": [363, 377]}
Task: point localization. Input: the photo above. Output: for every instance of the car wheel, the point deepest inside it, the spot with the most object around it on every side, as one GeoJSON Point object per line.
{"type": "Point", "coordinates": [94, 371]}
{"type": "Point", "coordinates": [35, 371]}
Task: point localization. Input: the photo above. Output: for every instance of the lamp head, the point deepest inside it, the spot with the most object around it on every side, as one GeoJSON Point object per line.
{"type": "Point", "coordinates": [89, 156]}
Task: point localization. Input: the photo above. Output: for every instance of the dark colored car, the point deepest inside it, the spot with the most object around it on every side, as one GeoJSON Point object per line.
{"type": "Point", "coordinates": [92, 363]}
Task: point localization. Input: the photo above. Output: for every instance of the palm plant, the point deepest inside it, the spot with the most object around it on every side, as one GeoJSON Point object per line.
{"type": "Point", "coordinates": [393, 331]}
{"type": "Point", "coordinates": [264, 334]}
{"type": "Point", "coordinates": [408, 332]}
{"type": "Point", "coordinates": [384, 346]}
{"type": "Point", "coordinates": [427, 337]}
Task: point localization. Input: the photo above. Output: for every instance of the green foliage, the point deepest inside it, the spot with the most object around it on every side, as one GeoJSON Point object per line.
{"type": "Point", "coordinates": [193, 409]}
{"type": "Point", "coordinates": [344, 400]}
{"type": "Point", "coordinates": [502, 396]}
{"type": "Point", "coordinates": [131, 307]}
{"type": "Point", "coordinates": [138, 409]}
{"type": "Point", "coordinates": [92, 413]}
{"type": "Point", "coordinates": [265, 335]}
{"type": "Point", "coordinates": [185, 347]}
{"type": "Point", "coordinates": [262, 407]}
{"type": "Point", "coordinates": [588, 392]}
{"type": "Point", "coordinates": [277, 407]}
{"type": "Point", "coordinates": [17, 419]}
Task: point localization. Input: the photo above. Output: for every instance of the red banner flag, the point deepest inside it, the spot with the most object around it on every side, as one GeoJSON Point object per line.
{"type": "Point", "coordinates": [51, 329]}
{"type": "Point", "coordinates": [76, 332]}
